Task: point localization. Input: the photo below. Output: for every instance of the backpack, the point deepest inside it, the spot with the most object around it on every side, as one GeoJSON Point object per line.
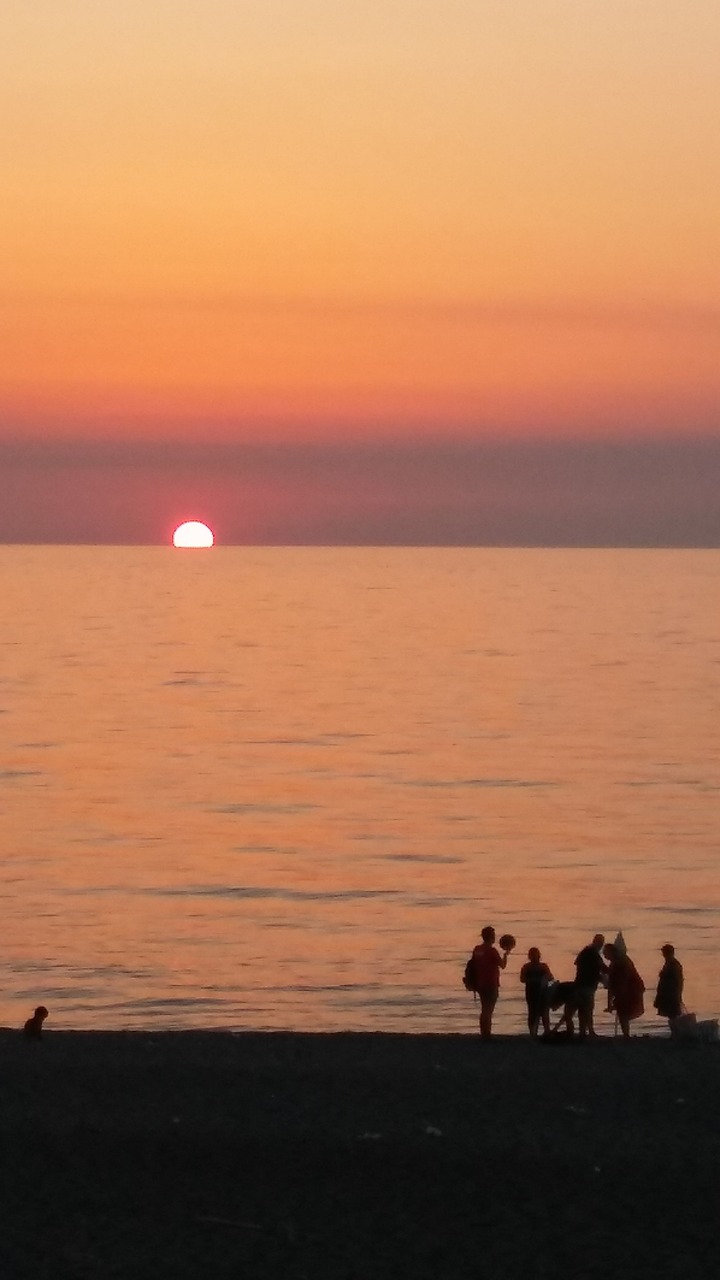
{"type": "Point", "coordinates": [469, 976]}
{"type": "Point", "coordinates": [481, 969]}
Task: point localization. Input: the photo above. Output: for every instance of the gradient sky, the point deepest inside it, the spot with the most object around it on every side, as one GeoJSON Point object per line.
{"type": "Point", "coordinates": [360, 270]}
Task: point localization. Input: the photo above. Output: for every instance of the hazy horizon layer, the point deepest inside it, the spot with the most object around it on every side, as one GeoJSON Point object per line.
{"type": "Point", "coordinates": [654, 491]}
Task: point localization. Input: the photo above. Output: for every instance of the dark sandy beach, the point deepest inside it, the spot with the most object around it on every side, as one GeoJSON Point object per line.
{"type": "Point", "coordinates": [187, 1154]}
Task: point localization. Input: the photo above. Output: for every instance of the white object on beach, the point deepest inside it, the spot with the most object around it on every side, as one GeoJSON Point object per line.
{"type": "Point", "coordinates": [687, 1027]}
{"type": "Point", "coordinates": [684, 1027]}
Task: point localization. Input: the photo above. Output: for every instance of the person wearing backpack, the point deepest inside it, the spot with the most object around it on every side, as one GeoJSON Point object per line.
{"type": "Point", "coordinates": [486, 964]}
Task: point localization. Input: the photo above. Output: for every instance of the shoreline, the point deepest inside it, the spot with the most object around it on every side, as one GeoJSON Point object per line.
{"type": "Point", "coordinates": [326, 1155]}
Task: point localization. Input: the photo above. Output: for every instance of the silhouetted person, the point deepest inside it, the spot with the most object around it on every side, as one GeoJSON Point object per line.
{"type": "Point", "coordinates": [590, 971]}
{"type": "Point", "coordinates": [625, 987]}
{"type": "Point", "coordinates": [487, 963]}
{"type": "Point", "coordinates": [668, 997]}
{"type": "Point", "coordinates": [33, 1026]}
{"type": "Point", "coordinates": [536, 976]}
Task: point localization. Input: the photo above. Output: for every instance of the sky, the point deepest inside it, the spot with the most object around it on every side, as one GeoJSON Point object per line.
{"type": "Point", "coordinates": [360, 271]}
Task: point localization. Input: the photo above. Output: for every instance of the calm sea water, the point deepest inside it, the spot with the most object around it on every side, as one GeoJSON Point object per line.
{"type": "Point", "coordinates": [285, 788]}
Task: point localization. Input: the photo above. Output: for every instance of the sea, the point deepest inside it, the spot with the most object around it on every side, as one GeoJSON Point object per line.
{"type": "Point", "coordinates": [285, 788]}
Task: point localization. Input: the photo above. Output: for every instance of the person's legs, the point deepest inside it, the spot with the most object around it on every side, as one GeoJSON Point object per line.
{"type": "Point", "coordinates": [533, 1015]}
{"type": "Point", "coordinates": [585, 1002]}
{"type": "Point", "coordinates": [562, 995]}
{"type": "Point", "coordinates": [488, 1000]}
{"type": "Point", "coordinates": [624, 1024]}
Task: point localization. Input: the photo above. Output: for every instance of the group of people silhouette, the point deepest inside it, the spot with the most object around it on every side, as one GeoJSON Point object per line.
{"type": "Point", "coordinates": [599, 964]}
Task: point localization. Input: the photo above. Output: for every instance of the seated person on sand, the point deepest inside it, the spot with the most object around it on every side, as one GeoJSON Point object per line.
{"type": "Point", "coordinates": [33, 1026]}
{"type": "Point", "coordinates": [537, 978]}
{"type": "Point", "coordinates": [668, 997]}
{"type": "Point", "coordinates": [625, 987]}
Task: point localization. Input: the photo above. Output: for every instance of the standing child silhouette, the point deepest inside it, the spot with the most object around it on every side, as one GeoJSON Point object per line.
{"type": "Point", "coordinates": [536, 976]}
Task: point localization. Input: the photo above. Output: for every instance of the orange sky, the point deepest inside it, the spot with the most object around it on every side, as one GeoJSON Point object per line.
{"type": "Point", "coordinates": [329, 256]}
{"type": "Point", "coordinates": [300, 218]}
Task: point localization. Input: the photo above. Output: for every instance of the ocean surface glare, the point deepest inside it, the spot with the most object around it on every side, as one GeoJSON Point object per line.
{"type": "Point", "coordinates": [285, 788]}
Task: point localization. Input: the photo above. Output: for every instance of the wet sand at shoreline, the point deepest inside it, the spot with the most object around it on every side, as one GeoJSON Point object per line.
{"type": "Point", "coordinates": [186, 1154]}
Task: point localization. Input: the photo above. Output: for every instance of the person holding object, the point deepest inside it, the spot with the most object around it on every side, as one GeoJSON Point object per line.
{"type": "Point", "coordinates": [625, 987]}
{"type": "Point", "coordinates": [487, 963]}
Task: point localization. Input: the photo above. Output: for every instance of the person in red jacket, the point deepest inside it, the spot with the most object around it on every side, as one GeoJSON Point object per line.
{"type": "Point", "coordinates": [487, 963]}
{"type": "Point", "coordinates": [625, 987]}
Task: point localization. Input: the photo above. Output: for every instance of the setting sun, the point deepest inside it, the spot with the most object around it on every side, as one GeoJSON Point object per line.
{"type": "Point", "coordinates": [193, 534]}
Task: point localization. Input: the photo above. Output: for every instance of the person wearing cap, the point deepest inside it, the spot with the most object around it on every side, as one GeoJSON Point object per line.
{"type": "Point", "coordinates": [668, 997]}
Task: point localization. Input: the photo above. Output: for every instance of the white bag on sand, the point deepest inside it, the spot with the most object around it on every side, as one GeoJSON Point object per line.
{"type": "Point", "coordinates": [687, 1027]}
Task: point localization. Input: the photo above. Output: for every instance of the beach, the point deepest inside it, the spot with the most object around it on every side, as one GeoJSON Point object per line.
{"type": "Point", "coordinates": [186, 1154]}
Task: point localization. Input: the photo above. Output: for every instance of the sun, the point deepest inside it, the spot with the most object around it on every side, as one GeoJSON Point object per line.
{"type": "Point", "coordinates": [193, 533]}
